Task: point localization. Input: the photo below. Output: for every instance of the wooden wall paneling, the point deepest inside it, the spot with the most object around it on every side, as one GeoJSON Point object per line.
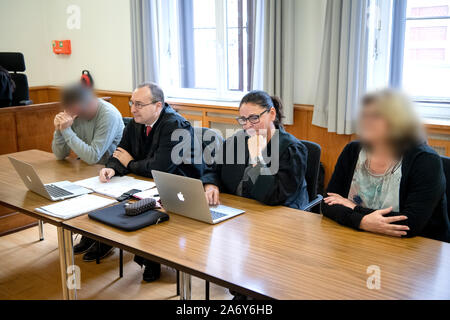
{"type": "Point", "coordinates": [39, 94]}
{"type": "Point", "coordinates": [121, 103]}
{"type": "Point", "coordinates": [332, 144]}
{"type": "Point", "coordinates": [35, 127]}
{"type": "Point", "coordinates": [8, 131]}
{"type": "Point", "coordinates": [441, 146]}
{"type": "Point", "coordinates": [118, 99]}
{"type": "Point", "coordinates": [54, 94]}
{"type": "Point", "coordinates": [193, 118]}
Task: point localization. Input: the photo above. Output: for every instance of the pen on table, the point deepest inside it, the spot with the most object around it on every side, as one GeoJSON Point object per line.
{"type": "Point", "coordinates": [107, 177]}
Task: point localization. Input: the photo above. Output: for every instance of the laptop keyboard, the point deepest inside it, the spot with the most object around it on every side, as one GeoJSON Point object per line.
{"type": "Point", "coordinates": [216, 215]}
{"type": "Point", "coordinates": [57, 192]}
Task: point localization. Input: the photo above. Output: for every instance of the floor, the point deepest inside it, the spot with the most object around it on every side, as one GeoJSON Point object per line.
{"type": "Point", "coordinates": [29, 269]}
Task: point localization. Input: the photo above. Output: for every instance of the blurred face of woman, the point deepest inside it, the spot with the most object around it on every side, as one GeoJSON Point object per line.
{"type": "Point", "coordinates": [374, 128]}
{"type": "Point", "coordinates": [265, 122]}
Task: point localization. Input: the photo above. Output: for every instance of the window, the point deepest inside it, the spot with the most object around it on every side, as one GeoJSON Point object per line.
{"type": "Point", "coordinates": [426, 56]}
{"type": "Point", "coordinates": [205, 48]}
{"type": "Point", "coordinates": [411, 50]}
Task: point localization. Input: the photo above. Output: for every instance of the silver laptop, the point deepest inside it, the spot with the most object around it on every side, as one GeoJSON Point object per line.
{"type": "Point", "coordinates": [52, 191]}
{"type": "Point", "coordinates": [186, 196]}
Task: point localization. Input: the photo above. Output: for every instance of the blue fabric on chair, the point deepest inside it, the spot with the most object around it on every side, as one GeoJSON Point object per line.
{"type": "Point", "coordinates": [312, 176]}
{"type": "Point", "coordinates": [446, 166]}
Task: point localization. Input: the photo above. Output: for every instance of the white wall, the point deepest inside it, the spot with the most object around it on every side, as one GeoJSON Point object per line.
{"type": "Point", "coordinates": [102, 44]}
{"type": "Point", "coordinates": [22, 29]}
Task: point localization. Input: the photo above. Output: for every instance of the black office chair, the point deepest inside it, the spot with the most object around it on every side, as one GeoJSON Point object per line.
{"type": "Point", "coordinates": [210, 141]}
{"type": "Point", "coordinates": [446, 166]}
{"type": "Point", "coordinates": [14, 62]}
{"type": "Point", "coordinates": [312, 176]}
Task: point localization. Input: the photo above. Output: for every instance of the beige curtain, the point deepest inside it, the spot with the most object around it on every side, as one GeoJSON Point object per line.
{"type": "Point", "coordinates": [274, 59]}
{"type": "Point", "coordinates": [343, 67]}
{"type": "Point", "coordinates": [144, 41]}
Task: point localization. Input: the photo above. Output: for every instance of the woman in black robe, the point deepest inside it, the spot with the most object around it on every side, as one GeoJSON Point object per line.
{"type": "Point", "coordinates": [262, 161]}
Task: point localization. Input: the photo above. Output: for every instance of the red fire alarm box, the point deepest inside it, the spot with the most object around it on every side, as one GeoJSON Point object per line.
{"type": "Point", "coordinates": [61, 46]}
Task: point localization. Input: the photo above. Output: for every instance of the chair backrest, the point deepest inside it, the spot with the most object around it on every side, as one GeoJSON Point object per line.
{"type": "Point", "coordinates": [446, 166]}
{"type": "Point", "coordinates": [209, 139]}
{"type": "Point", "coordinates": [312, 167]}
{"type": "Point", "coordinates": [126, 120]}
{"type": "Point", "coordinates": [14, 62]}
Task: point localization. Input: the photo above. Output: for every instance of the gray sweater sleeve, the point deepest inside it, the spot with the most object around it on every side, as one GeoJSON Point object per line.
{"type": "Point", "coordinates": [105, 131]}
{"type": "Point", "coordinates": [59, 146]}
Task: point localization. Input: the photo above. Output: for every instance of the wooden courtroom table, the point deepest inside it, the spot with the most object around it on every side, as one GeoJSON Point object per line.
{"type": "Point", "coordinates": [268, 252]}
{"type": "Point", "coordinates": [14, 194]}
{"type": "Point", "coordinates": [283, 253]}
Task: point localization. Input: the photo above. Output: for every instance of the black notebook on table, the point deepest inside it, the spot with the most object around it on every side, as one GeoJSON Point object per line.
{"type": "Point", "coordinates": [115, 216]}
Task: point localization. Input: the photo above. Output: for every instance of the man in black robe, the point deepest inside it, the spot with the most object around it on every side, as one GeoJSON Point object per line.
{"type": "Point", "coordinates": [147, 145]}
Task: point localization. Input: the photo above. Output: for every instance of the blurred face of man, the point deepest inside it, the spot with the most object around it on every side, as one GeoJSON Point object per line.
{"type": "Point", "coordinates": [84, 110]}
{"type": "Point", "coordinates": [143, 107]}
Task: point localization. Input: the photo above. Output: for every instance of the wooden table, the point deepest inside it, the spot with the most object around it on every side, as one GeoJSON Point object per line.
{"type": "Point", "coordinates": [14, 194]}
{"type": "Point", "coordinates": [283, 253]}
{"type": "Point", "coordinates": [268, 252]}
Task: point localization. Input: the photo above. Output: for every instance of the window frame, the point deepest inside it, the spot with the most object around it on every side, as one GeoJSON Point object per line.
{"type": "Point", "coordinates": [428, 106]}
{"type": "Point", "coordinates": [171, 39]}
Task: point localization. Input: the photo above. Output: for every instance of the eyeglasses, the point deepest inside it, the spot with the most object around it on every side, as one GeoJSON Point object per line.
{"type": "Point", "coordinates": [253, 119]}
{"type": "Point", "coordinates": [139, 105]}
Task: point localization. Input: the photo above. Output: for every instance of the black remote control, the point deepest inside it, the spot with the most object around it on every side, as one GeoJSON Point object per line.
{"type": "Point", "coordinates": [127, 195]}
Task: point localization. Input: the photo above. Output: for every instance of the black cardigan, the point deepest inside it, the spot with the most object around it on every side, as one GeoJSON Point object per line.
{"type": "Point", "coordinates": [285, 187]}
{"type": "Point", "coordinates": [154, 152]}
{"type": "Point", "coordinates": [422, 192]}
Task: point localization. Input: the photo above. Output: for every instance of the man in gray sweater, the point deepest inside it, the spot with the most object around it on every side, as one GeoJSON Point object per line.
{"type": "Point", "coordinates": [89, 126]}
{"type": "Point", "coordinates": [92, 128]}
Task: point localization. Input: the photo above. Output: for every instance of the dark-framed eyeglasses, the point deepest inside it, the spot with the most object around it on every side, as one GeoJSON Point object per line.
{"type": "Point", "coordinates": [140, 105]}
{"type": "Point", "coordinates": [253, 119]}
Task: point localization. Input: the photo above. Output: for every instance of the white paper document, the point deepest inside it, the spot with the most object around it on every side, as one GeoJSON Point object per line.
{"type": "Point", "coordinates": [76, 206]}
{"type": "Point", "coordinates": [151, 193]}
{"type": "Point", "coordinates": [116, 185]}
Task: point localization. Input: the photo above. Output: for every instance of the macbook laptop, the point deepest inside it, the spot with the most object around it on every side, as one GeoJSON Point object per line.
{"type": "Point", "coordinates": [186, 196]}
{"type": "Point", "coordinates": [52, 191]}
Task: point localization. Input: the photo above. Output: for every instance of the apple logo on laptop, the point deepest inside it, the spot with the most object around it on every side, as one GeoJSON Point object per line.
{"type": "Point", "coordinates": [180, 196]}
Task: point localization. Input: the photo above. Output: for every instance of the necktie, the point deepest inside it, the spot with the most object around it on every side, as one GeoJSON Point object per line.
{"type": "Point", "coordinates": [148, 129]}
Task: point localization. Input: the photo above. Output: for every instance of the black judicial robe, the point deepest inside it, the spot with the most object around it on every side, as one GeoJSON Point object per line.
{"type": "Point", "coordinates": [154, 152]}
{"type": "Point", "coordinates": [285, 186]}
{"type": "Point", "coordinates": [6, 90]}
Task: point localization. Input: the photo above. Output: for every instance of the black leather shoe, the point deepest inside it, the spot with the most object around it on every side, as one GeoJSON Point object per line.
{"type": "Point", "coordinates": [91, 254]}
{"type": "Point", "coordinates": [151, 273]}
{"type": "Point", "coordinates": [84, 245]}
{"type": "Point", "coordinates": [238, 297]}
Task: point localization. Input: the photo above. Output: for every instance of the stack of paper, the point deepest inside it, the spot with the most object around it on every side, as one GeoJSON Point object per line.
{"type": "Point", "coordinates": [76, 206]}
{"type": "Point", "coordinates": [116, 185]}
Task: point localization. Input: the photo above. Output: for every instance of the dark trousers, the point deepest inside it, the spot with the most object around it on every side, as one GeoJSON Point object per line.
{"type": "Point", "coordinates": [147, 263]}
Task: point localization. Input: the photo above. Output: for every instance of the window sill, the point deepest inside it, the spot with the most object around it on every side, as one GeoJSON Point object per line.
{"type": "Point", "coordinates": [434, 112]}
{"type": "Point", "coordinates": [203, 102]}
